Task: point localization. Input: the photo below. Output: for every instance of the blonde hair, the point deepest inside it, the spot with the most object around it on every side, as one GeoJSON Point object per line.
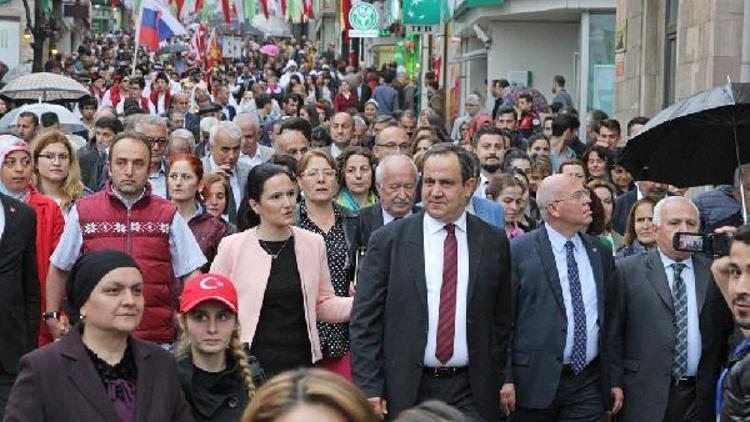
{"type": "Point", "coordinates": [72, 186]}
{"type": "Point", "coordinates": [184, 348]}
{"type": "Point", "coordinates": [284, 392]}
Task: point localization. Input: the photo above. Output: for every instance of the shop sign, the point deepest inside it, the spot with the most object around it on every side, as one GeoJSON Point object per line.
{"type": "Point", "coordinates": [421, 29]}
{"type": "Point", "coordinates": [364, 18]}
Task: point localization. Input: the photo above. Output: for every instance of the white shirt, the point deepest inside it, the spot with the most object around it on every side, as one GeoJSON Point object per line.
{"type": "Point", "coordinates": [234, 182]}
{"type": "Point", "coordinates": [588, 290]}
{"type": "Point", "coordinates": [120, 109]}
{"type": "Point", "coordinates": [251, 161]}
{"type": "Point", "coordinates": [335, 151]}
{"type": "Point", "coordinates": [183, 248]}
{"type": "Point", "coordinates": [694, 340]}
{"type": "Point", "coordinates": [387, 217]}
{"type": "Point", "coordinates": [484, 182]}
{"type": "Point", "coordinates": [434, 238]}
{"type": "Point", "coordinates": [2, 220]}
{"type": "Point", "coordinates": [158, 181]}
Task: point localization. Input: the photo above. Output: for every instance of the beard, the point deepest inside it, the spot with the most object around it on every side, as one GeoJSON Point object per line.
{"type": "Point", "coordinates": [491, 168]}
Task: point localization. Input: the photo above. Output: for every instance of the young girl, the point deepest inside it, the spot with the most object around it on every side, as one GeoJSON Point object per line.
{"type": "Point", "coordinates": [216, 375]}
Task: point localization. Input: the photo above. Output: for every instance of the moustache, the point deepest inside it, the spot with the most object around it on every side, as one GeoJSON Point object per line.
{"type": "Point", "coordinates": [742, 299]}
{"type": "Point", "coordinates": [402, 201]}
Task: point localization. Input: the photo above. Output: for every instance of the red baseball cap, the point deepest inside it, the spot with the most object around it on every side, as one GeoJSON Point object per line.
{"type": "Point", "coordinates": [208, 287]}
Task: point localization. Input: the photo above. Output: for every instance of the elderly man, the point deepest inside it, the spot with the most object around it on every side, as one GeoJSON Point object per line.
{"type": "Point", "coordinates": [564, 365]}
{"type": "Point", "coordinates": [222, 158]}
{"type": "Point", "coordinates": [252, 152]}
{"type": "Point", "coordinates": [391, 140]}
{"type": "Point", "coordinates": [674, 325]}
{"type": "Point", "coordinates": [342, 128]}
{"type": "Point", "coordinates": [154, 128]}
{"type": "Point", "coordinates": [396, 182]}
{"type": "Point", "coordinates": [181, 141]}
{"type": "Point", "coordinates": [359, 133]}
{"type": "Point", "coordinates": [473, 107]}
{"type": "Point", "coordinates": [294, 138]}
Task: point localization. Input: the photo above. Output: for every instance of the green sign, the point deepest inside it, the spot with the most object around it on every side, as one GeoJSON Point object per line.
{"type": "Point", "coordinates": [363, 17]}
{"type": "Point", "coordinates": [424, 12]}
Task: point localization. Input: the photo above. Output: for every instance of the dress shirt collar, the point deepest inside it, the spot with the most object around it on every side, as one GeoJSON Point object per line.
{"type": "Point", "coordinates": [470, 207]}
{"type": "Point", "coordinates": [335, 151]}
{"type": "Point", "coordinates": [667, 261]}
{"type": "Point", "coordinates": [433, 226]}
{"type": "Point", "coordinates": [558, 240]}
{"type": "Point", "coordinates": [387, 217]}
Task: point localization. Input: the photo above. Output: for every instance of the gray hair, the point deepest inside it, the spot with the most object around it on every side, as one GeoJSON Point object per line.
{"type": "Point", "coordinates": [359, 121]}
{"type": "Point", "coordinates": [473, 98]}
{"type": "Point", "coordinates": [207, 123]}
{"type": "Point", "coordinates": [543, 197]}
{"type": "Point", "coordinates": [228, 128]}
{"type": "Point", "coordinates": [669, 200]}
{"type": "Point", "coordinates": [148, 120]}
{"type": "Point", "coordinates": [183, 135]}
{"type": "Point", "coordinates": [248, 118]}
{"type": "Point", "coordinates": [395, 159]}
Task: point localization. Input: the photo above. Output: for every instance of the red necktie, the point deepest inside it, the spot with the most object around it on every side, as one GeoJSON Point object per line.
{"type": "Point", "coordinates": [446, 329]}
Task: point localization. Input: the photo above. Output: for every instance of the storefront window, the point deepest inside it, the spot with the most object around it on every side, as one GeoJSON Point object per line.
{"type": "Point", "coordinates": [601, 83]}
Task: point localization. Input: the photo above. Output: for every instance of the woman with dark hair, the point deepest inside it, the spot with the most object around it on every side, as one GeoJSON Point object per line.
{"type": "Point", "coordinates": [356, 177]}
{"type": "Point", "coordinates": [310, 113]}
{"type": "Point", "coordinates": [346, 99]}
{"type": "Point", "coordinates": [507, 191]}
{"type": "Point", "coordinates": [595, 159]}
{"type": "Point", "coordinates": [529, 219]}
{"type": "Point", "coordinates": [620, 177]}
{"type": "Point", "coordinates": [184, 181]}
{"type": "Point", "coordinates": [280, 274]}
{"type": "Point", "coordinates": [339, 227]}
{"type": "Point", "coordinates": [99, 371]}
{"type": "Point", "coordinates": [516, 159]}
{"type": "Point", "coordinates": [605, 192]}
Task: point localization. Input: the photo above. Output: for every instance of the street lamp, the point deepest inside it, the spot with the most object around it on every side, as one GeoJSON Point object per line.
{"type": "Point", "coordinates": [27, 35]}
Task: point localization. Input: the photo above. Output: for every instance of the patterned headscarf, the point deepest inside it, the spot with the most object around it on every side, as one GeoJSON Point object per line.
{"type": "Point", "coordinates": [8, 144]}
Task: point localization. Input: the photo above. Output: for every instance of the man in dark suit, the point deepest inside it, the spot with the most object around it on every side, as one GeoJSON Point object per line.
{"type": "Point", "coordinates": [92, 159]}
{"type": "Point", "coordinates": [20, 297]}
{"type": "Point", "coordinates": [363, 91]}
{"type": "Point", "coordinates": [625, 202]}
{"type": "Point", "coordinates": [675, 325]}
{"type": "Point", "coordinates": [396, 182]}
{"type": "Point", "coordinates": [563, 289]}
{"type": "Point", "coordinates": [431, 318]}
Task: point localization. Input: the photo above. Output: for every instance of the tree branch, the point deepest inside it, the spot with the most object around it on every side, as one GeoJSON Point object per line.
{"type": "Point", "coordinates": [29, 27]}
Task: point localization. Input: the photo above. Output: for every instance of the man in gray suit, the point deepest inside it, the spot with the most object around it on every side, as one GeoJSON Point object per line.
{"type": "Point", "coordinates": [223, 153]}
{"type": "Point", "coordinates": [252, 153]}
{"type": "Point", "coordinates": [562, 366]}
{"type": "Point", "coordinates": [674, 323]}
{"type": "Point", "coordinates": [342, 129]}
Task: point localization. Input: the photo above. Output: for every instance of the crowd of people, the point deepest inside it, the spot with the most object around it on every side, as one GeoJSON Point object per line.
{"type": "Point", "coordinates": [290, 237]}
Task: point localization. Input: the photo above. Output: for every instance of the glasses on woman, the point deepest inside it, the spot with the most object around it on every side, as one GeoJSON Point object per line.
{"type": "Point", "coordinates": [63, 156]}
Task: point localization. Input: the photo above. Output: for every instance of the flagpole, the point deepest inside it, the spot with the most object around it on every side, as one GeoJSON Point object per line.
{"type": "Point", "coordinates": [137, 36]}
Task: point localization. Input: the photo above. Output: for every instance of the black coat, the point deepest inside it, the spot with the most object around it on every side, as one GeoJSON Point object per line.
{"type": "Point", "coordinates": [59, 383]}
{"type": "Point", "coordinates": [389, 324]}
{"type": "Point", "coordinates": [20, 296]}
{"type": "Point", "coordinates": [224, 400]}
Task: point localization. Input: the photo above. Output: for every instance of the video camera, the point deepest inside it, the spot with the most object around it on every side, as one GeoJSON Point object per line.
{"type": "Point", "coordinates": [710, 244]}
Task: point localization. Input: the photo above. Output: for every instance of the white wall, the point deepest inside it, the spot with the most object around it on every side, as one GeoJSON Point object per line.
{"type": "Point", "coordinates": [544, 48]}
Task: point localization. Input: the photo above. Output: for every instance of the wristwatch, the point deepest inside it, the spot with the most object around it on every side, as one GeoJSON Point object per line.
{"type": "Point", "coordinates": [50, 315]}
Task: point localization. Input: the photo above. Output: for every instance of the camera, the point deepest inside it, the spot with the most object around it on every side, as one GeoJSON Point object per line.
{"type": "Point", "coordinates": [709, 244]}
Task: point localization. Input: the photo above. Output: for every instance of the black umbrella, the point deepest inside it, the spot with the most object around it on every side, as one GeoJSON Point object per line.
{"type": "Point", "coordinates": [697, 141]}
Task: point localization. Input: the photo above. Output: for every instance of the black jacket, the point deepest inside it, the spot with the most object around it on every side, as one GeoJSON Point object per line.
{"type": "Point", "coordinates": [225, 398]}
{"type": "Point", "coordinates": [735, 394]}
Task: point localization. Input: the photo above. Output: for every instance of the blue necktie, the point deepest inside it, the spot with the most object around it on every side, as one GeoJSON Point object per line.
{"type": "Point", "coordinates": [578, 354]}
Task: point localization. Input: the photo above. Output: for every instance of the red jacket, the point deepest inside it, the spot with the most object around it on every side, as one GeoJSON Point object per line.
{"type": "Point", "coordinates": [340, 103]}
{"type": "Point", "coordinates": [143, 232]}
{"type": "Point", "coordinates": [208, 231]}
{"type": "Point", "coordinates": [49, 228]}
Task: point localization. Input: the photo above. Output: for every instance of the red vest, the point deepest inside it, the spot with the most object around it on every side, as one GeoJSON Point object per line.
{"type": "Point", "coordinates": [143, 232]}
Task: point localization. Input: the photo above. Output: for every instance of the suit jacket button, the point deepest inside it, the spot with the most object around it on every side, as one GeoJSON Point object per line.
{"type": "Point", "coordinates": [233, 402]}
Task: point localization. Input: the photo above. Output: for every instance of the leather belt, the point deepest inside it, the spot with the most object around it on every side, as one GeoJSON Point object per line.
{"type": "Point", "coordinates": [445, 371]}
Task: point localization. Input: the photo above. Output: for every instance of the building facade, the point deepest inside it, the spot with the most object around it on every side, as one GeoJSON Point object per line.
{"type": "Point", "coordinates": [528, 42]}
{"type": "Point", "coordinates": [668, 50]}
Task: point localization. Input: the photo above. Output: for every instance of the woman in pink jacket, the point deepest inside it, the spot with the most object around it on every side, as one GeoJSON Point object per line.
{"type": "Point", "coordinates": [281, 275]}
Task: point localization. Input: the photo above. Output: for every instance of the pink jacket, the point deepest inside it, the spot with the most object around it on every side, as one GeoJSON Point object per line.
{"type": "Point", "coordinates": [243, 260]}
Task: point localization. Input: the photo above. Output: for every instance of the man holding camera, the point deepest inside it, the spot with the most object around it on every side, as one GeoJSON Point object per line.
{"type": "Point", "coordinates": [674, 325]}
{"type": "Point", "coordinates": [732, 275]}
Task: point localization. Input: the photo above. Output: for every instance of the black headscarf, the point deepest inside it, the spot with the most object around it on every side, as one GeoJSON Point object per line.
{"type": "Point", "coordinates": [89, 270]}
